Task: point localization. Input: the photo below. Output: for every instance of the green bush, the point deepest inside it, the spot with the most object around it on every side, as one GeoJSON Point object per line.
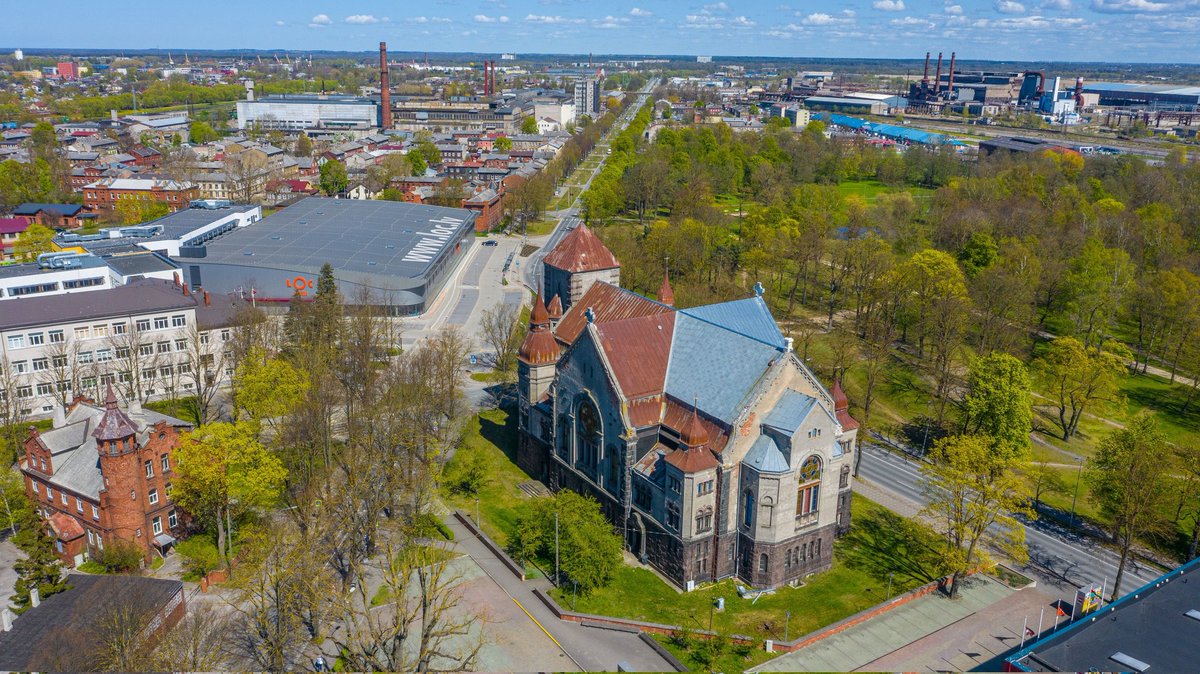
{"type": "Point", "coordinates": [121, 556]}
{"type": "Point", "coordinates": [199, 554]}
{"type": "Point", "coordinates": [589, 549]}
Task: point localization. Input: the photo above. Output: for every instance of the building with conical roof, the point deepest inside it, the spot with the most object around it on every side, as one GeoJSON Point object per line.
{"type": "Point", "coordinates": [103, 473]}
{"type": "Point", "coordinates": [703, 436]}
{"type": "Point", "coordinates": [578, 261]}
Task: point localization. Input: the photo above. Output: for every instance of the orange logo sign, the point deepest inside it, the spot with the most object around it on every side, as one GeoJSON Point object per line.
{"type": "Point", "coordinates": [300, 284]}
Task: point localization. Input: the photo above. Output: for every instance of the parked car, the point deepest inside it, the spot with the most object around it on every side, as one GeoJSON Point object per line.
{"type": "Point", "coordinates": [491, 242]}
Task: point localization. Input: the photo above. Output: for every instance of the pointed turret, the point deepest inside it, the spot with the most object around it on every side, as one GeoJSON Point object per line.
{"type": "Point", "coordinates": [665, 294]}
{"type": "Point", "coordinates": [694, 456]}
{"type": "Point", "coordinates": [575, 263]}
{"type": "Point", "coordinates": [539, 347]}
{"type": "Point", "coordinates": [115, 424]}
{"type": "Point", "coordinates": [841, 406]}
{"type": "Point", "coordinates": [556, 311]}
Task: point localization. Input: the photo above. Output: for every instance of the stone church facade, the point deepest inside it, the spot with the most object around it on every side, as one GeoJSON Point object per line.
{"type": "Point", "coordinates": [706, 440]}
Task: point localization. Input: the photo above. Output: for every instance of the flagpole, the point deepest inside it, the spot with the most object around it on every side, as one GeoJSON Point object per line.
{"type": "Point", "coordinates": [1024, 631]}
{"type": "Point", "coordinates": [1040, 616]}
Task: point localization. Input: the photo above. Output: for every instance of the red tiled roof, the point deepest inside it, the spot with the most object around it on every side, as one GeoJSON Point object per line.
{"type": "Point", "coordinates": [555, 307]}
{"type": "Point", "coordinates": [581, 250]}
{"type": "Point", "coordinates": [677, 415]}
{"type": "Point", "coordinates": [609, 303]}
{"type": "Point", "coordinates": [646, 411]}
{"type": "Point", "coordinates": [693, 433]}
{"type": "Point", "coordinates": [65, 527]}
{"type": "Point", "coordinates": [539, 347]}
{"type": "Point", "coordinates": [637, 350]}
{"type": "Point", "coordinates": [692, 460]}
{"type": "Point", "coordinates": [18, 225]}
{"type": "Point", "coordinates": [841, 405]}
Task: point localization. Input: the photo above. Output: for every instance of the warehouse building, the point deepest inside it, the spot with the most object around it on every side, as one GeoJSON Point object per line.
{"type": "Point", "coordinates": [1152, 96]}
{"type": "Point", "coordinates": [400, 253]}
{"type": "Point", "coordinates": [294, 113]}
{"type": "Point", "coordinates": [859, 106]}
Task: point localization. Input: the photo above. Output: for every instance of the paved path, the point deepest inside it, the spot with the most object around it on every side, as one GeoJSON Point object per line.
{"type": "Point", "coordinates": [586, 648]}
{"type": "Point", "coordinates": [9, 555]}
{"type": "Point", "coordinates": [875, 638]}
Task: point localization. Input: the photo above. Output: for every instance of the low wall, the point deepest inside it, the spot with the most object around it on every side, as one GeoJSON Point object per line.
{"type": "Point", "coordinates": [516, 569]}
{"type": "Point", "coordinates": [663, 652]}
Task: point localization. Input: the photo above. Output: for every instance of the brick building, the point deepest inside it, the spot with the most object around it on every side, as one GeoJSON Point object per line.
{"type": "Point", "coordinates": [489, 204]}
{"type": "Point", "coordinates": [704, 437]}
{"type": "Point", "coordinates": [104, 194]}
{"type": "Point", "coordinates": [55, 216]}
{"type": "Point", "coordinates": [102, 474]}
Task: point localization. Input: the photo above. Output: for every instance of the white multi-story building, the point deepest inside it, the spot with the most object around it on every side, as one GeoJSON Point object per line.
{"type": "Point", "coordinates": [294, 113]}
{"type": "Point", "coordinates": [587, 97]}
{"type": "Point", "coordinates": [150, 339]}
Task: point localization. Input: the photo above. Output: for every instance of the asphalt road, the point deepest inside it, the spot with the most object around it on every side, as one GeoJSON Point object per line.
{"type": "Point", "coordinates": [1062, 558]}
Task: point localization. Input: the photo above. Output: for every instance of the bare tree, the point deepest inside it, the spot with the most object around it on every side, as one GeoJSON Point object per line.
{"type": "Point", "coordinates": [196, 644]}
{"type": "Point", "coordinates": [502, 333]}
{"type": "Point", "coordinates": [202, 370]}
{"type": "Point", "coordinates": [13, 412]}
{"type": "Point", "coordinates": [246, 174]}
{"type": "Point", "coordinates": [134, 357]}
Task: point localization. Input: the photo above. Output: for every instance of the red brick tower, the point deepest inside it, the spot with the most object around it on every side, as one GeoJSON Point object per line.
{"type": "Point", "coordinates": [123, 495]}
{"type": "Point", "coordinates": [385, 90]}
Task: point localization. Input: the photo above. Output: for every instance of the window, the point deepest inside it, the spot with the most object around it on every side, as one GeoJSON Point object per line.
{"type": "Point", "coordinates": [122, 352]}
{"type": "Point", "coordinates": [153, 497]}
{"type": "Point", "coordinates": [119, 328]}
{"type": "Point", "coordinates": [56, 337]}
{"type": "Point", "coordinates": [747, 508]}
{"type": "Point", "coordinates": [704, 520]}
{"type": "Point", "coordinates": [78, 505]}
{"type": "Point", "coordinates": [764, 562]}
{"type": "Point", "coordinates": [100, 330]}
{"type": "Point", "coordinates": [20, 366]}
{"type": "Point", "coordinates": [164, 347]}
{"type": "Point", "coordinates": [35, 486]}
{"type": "Point", "coordinates": [673, 517]}
{"type": "Point", "coordinates": [41, 364]}
{"type": "Point", "coordinates": [156, 525]}
{"type": "Point", "coordinates": [95, 512]}
{"type": "Point", "coordinates": [768, 512]}
{"type": "Point", "coordinates": [146, 350]}
{"type": "Point", "coordinates": [87, 383]}
{"type": "Point", "coordinates": [148, 373]}
{"type": "Point", "coordinates": [25, 392]}
{"type": "Point", "coordinates": [16, 341]}
{"type": "Point", "coordinates": [809, 493]}
{"type": "Point", "coordinates": [91, 537]}
{"type": "Point", "coordinates": [142, 324]}
{"type": "Point", "coordinates": [104, 355]}
{"type": "Point", "coordinates": [42, 460]}
{"type": "Point", "coordinates": [674, 484]}
{"type": "Point", "coordinates": [224, 335]}
{"type": "Point", "coordinates": [37, 338]}
{"type": "Point", "coordinates": [844, 478]}
{"type": "Point", "coordinates": [49, 493]}
{"type": "Point", "coordinates": [82, 332]}
{"type": "Point", "coordinates": [99, 541]}
{"type": "Point", "coordinates": [160, 323]}
{"type": "Point", "coordinates": [181, 345]}
{"type": "Point", "coordinates": [149, 469]}
{"type": "Point", "coordinates": [85, 357]}
{"type": "Point", "coordinates": [83, 283]}
{"type": "Point", "coordinates": [588, 435]}
{"type": "Point", "coordinates": [165, 371]}
{"type": "Point", "coordinates": [172, 519]}
{"type": "Point", "coordinates": [58, 362]}
{"type": "Point", "coordinates": [204, 339]}
{"type": "Point", "coordinates": [642, 497]}
{"type": "Point", "coordinates": [178, 321]}
{"type": "Point", "coordinates": [705, 487]}
{"type": "Point", "coordinates": [165, 462]}
{"type": "Point", "coordinates": [33, 289]}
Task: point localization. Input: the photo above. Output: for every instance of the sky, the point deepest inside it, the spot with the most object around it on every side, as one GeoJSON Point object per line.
{"type": "Point", "coordinates": [1162, 31]}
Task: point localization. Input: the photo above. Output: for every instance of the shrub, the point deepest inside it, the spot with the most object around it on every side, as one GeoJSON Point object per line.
{"type": "Point", "coordinates": [199, 554]}
{"type": "Point", "coordinates": [121, 556]}
{"type": "Point", "coordinates": [589, 548]}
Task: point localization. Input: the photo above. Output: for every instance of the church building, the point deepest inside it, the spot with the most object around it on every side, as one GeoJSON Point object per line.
{"type": "Point", "coordinates": [702, 434]}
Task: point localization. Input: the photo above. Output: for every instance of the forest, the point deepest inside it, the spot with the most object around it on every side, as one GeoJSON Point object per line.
{"type": "Point", "coordinates": [921, 275]}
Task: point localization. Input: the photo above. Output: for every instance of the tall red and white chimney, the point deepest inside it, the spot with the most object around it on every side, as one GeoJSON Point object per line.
{"type": "Point", "coordinates": [385, 90]}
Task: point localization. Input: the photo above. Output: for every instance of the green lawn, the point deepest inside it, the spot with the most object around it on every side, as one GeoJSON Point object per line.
{"type": "Point", "coordinates": [880, 544]}
{"type": "Point", "coordinates": [492, 377]}
{"type": "Point", "coordinates": [491, 438]}
{"type": "Point", "coordinates": [541, 227]}
{"type": "Point", "coordinates": [869, 189]}
{"type": "Point", "coordinates": [698, 655]}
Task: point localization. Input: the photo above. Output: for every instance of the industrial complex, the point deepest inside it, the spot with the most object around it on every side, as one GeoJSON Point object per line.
{"type": "Point", "coordinates": [398, 253]}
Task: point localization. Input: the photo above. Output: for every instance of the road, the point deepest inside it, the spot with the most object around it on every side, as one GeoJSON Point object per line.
{"type": "Point", "coordinates": [1061, 558]}
{"type": "Point", "coordinates": [1072, 139]}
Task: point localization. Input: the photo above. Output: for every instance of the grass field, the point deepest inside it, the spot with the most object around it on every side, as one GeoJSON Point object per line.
{"type": "Point", "coordinates": [870, 189]}
{"type": "Point", "coordinates": [491, 437]}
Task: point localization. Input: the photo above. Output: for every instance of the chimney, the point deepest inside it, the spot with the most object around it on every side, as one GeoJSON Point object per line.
{"type": "Point", "coordinates": [207, 301]}
{"type": "Point", "coordinates": [112, 114]}
{"type": "Point", "coordinates": [385, 90]}
{"type": "Point", "coordinates": [925, 77]}
{"type": "Point", "coordinates": [950, 85]}
{"type": "Point", "coordinates": [185, 289]}
{"type": "Point", "coordinates": [35, 598]}
{"type": "Point", "coordinates": [6, 620]}
{"type": "Point", "coordinates": [937, 79]}
{"type": "Point", "coordinates": [60, 416]}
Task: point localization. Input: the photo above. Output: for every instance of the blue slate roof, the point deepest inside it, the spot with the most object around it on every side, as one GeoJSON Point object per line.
{"type": "Point", "coordinates": [749, 317]}
{"type": "Point", "coordinates": [67, 210]}
{"type": "Point", "coordinates": [790, 411]}
{"type": "Point", "coordinates": [765, 457]}
{"type": "Point", "coordinates": [715, 365]}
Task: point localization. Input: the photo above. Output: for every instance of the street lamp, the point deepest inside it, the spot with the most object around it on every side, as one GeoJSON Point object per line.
{"type": "Point", "coordinates": [1078, 477]}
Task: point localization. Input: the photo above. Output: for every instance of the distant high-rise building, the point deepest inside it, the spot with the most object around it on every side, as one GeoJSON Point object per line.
{"type": "Point", "coordinates": [508, 57]}
{"type": "Point", "coordinates": [703, 59]}
{"type": "Point", "coordinates": [587, 97]}
{"type": "Point", "coordinates": [19, 55]}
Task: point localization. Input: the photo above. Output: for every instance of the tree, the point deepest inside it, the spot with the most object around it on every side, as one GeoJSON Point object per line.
{"type": "Point", "coordinates": [999, 403]}
{"type": "Point", "coordinates": [40, 569]}
{"type": "Point", "coordinates": [33, 242]}
{"type": "Point", "coordinates": [1044, 479]}
{"type": "Point", "coordinates": [502, 144]}
{"type": "Point", "coordinates": [589, 551]}
{"type": "Point", "coordinates": [529, 125]}
{"type": "Point", "coordinates": [418, 163]}
{"type": "Point", "coordinates": [223, 470]}
{"type": "Point", "coordinates": [333, 177]}
{"type": "Point", "coordinates": [198, 643]}
{"type": "Point", "coordinates": [137, 211]}
{"type": "Point", "coordinates": [1129, 483]}
{"type": "Point", "coordinates": [974, 497]}
{"type": "Point", "coordinates": [13, 414]}
{"type": "Point", "coordinates": [1078, 377]}
{"type": "Point", "coordinates": [1097, 280]}
{"type": "Point", "coordinates": [203, 369]}
{"type": "Point", "coordinates": [503, 332]}
{"type": "Point", "coordinates": [247, 175]}
{"type": "Point", "coordinates": [266, 388]}
{"type": "Point", "coordinates": [200, 133]}
{"type": "Point", "coordinates": [938, 305]}
{"type": "Point", "coordinates": [304, 145]}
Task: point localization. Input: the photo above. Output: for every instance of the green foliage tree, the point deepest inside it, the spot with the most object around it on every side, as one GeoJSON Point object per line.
{"type": "Point", "coordinates": [999, 403]}
{"type": "Point", "coordinates": [589, 550]}
{"type": "Point", "coordinates": [200, 554]}
{"type": "Point", "coordinates": [503, 144]}
{"type": "Point", "coordinates": [1078, 377]}
{"type": "Point", "coordinates": [304, 145]}
{"type": "Point", "coordinates": [200, 133]}
{"type": "Point", "coordinates": [137, 211]}
{"type": "Point", "coordinates": [1097, 281]}
{"type": "Point", "coordinates": [529, 125]}
{"type": "Point", "coordinates": [429, 152]}
{"type": "Point", "coordinates": [267, 388]}
{"type": "Point", "coordinates": [333, 177]}
{"type": "Point", "coordinates": [222, 470]}
{"type": "Point", "coordinates": [40, 569]}
{"type": "Point", "coordinates": [121, 556]}
{"type": "Point", "coordinates": [1129, 484]}
{"type": "Point", "coordinates": [974, 496]}
{"type": "Point", "coordinates": [418, 163]}
{"type": "Point", "coordinates": [34, 241]}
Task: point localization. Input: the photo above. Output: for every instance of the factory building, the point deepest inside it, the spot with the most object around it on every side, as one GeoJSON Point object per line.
{"type": "Point", "coordinates": [857, 106]}
{"type": "Point", "coordinates": [295, 113]}
{"type": "Point", "coordinates": [400, 253]}
{"type": "Point", "coordinates": [1150, 96]}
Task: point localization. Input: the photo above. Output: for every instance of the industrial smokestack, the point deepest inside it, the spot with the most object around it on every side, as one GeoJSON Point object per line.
{"type": "Point", "coordinates": [950, 84]}
{"type": "Point", "coordinates": [925, 76]}
{"type": "Point", "coordinates": [385, 90]}
{"type": "Point", "coordinates": [937, 78]}
{"type": "Point", "coordinates": [1079, 93]}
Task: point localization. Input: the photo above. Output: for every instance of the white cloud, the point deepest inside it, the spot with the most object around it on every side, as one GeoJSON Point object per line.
{"type": "Point", "coordinates": [716, 7]}
{"type": "Point", "coordinates": [361, 19]}
{"type": "Point", "coordinates": [742, 22]}
{"type": "Point", "coordinates": [484, 18]}
{"type": "Point", "coordinates": [1123, 6]}
{"type": "Point", "coordinates": [1062, 5]}
{"type": "Point", "coordinates": [279, 22]}
{"type": "Point", "coordinates": [702, 21]}
{"type": "Point", "coordinates": [848, 13]}
{"type": "Point", "coordinates": [1028, 23]}
{"type": "Point", "coordinates": [955, 10]}
{"type": "Point", "coordinates": [611, 22]}
{"type": "Point", "coordinates": [441, 19]}
{"type": "Point", "coordinates": [823, 19]}
{"type": "Point", "coordinates": [319, 21]}
{"type": "Point", "coordinates": [638, 11]}
{"type": "Point", "coordinates": [889, 5]}
{"type": "Point", "coordinates": [544, 19]}
{"type": "Point", "coordinates": [1009, 7]}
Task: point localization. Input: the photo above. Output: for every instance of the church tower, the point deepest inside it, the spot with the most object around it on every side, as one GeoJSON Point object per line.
{"type": "Point", "coordinates": [578, 261]}
{"type": "Point", "coordinates": [123, 490]}
{"type": "Point", "coordinates": [536, 360]}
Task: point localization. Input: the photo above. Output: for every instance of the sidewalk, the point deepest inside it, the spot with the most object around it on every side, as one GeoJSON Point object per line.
{"type": "Point", "coordinates": [875, 638]}
{"type": "Point", "coordinates": [897, 504]}
{"type": "Point", "coordinates": [585, 648]}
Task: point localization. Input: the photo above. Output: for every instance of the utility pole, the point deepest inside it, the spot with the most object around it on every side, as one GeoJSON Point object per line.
{"type": "Point", "coordinates": [556, 547]}
{"type": "Point", "coordinates": [1075, 498]}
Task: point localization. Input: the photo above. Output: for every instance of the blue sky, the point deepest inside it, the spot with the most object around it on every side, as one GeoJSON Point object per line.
{"type": "Point", "coordinates": [1078, 30]}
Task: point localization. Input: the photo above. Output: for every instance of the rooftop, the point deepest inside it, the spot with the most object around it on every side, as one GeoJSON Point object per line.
{"type": "Point", "coordinates": [137, 297]}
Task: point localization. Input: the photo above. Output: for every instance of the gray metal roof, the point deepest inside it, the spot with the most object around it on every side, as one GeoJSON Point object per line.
{"type": "Point", "coordinates": [750, 317]}
{"type": "Point", "coordinates": [765, 457]}
{"type": "Point", "coordinates": [142, 296]}
{"type": "Point", "coordinates": [790, 412]}
{"type": "Point", "coordinates": [139, 264]}
{"type": "Point", "coordinates": [718, 391]}
{"type": "Point", "coordinates": [359, 238]}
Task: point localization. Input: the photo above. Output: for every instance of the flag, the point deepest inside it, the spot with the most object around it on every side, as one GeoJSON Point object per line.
{"type": "Point", "coordinates": [1060, 611]}
{"type": "Point", "coordinates": [1029, 631]}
